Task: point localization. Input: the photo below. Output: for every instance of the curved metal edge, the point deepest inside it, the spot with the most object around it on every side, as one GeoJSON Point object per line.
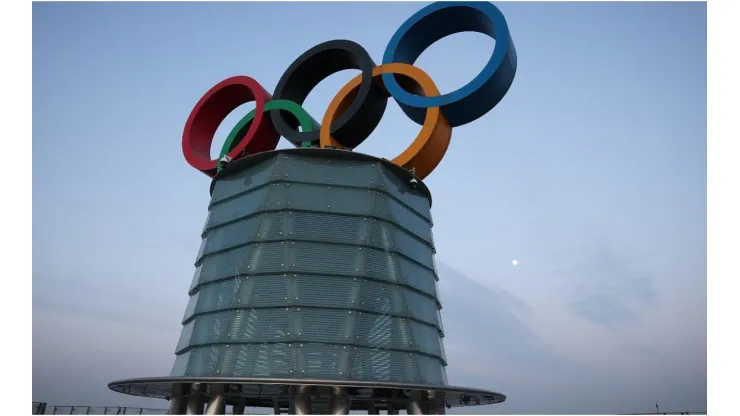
{"type": "Point", "coordinates": [120, 385]}
{"type": "Point", "coordinates": [210, 111]}
{"type": "Point", "coordinates": [427, 150]}
{"type": "Point", "coordinates": [239, 131]}
{"type": "Point", "coordinates": [484, 91]}
{"type": "Point", "coordinates": [315, 65]}
{"type": "Point", "coordinates": [239, 165]}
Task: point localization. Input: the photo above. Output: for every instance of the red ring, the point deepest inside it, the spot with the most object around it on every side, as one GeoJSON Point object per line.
{"type": "Point", "coordinates": [213, 108]}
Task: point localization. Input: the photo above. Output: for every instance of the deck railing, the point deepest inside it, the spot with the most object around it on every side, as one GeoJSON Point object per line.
{"type": "Point", "coordinates": [41, 408]}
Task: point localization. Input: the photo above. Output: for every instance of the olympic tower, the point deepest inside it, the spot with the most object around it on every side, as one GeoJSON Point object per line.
{"type": "Point", "coordinates": [315, 289]}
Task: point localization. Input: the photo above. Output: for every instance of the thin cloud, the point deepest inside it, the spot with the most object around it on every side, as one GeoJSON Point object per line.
{"type": "Point", "coordinates": [610, 290]}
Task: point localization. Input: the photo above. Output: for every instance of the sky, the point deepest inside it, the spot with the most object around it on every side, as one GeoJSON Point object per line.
{"type": "Point", "coordinates": [591, 172]}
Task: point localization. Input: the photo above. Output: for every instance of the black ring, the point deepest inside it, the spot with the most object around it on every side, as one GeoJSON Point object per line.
{"type": "Point", "coordinates": [305, 73]}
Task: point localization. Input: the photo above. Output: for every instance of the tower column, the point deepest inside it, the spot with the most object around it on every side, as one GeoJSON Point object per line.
{"type": "Point", "coordinates": [415, 404]}
{"type": "Point", "coordinates": [301, 401]}
{"type": "Point", "coordinates": [217, 404]}
{"type": "Point", "coordinates": [195, 400]}
{"type": "Point", "coordinates": [339, 403]}
{"type": "Point", "coordinates": [179, 399]}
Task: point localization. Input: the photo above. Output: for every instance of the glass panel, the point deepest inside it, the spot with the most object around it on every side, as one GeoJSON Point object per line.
{"type": "Point", "coordinates": [315, 268]}
{"type": "Point", "coordinates": [327, 361]}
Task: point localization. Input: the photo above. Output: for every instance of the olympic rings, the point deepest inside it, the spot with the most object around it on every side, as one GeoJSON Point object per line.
{"type": "Point", "coordinates": [431, 24]}
{"type": "Point", "coordinates": [318, 63]}
{"type": "Point", "coordinates": [212, 108]}
{"type": "Point", "coordinates": [427, 150]}
{"type": "Point", "coordinates": [358, 107]}
{"type": "Point", "coordinates": [306, 122]}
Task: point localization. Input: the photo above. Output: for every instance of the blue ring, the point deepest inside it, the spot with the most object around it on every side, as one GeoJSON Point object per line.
{"type": "Point", "coordinates": [431, 24]}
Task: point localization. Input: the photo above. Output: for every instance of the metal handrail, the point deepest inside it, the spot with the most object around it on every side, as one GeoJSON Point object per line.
{"type": "Point", "coordinates": [41, 408]}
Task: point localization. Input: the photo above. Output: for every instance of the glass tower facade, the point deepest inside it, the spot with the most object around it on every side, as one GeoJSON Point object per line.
{"type": "Point", "coordinates": [314, 266]}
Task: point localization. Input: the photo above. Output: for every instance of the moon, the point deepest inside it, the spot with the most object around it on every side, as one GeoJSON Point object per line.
{"type": "Point", "coordinates": [515, 262]}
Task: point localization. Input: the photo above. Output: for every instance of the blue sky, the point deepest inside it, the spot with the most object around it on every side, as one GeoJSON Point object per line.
{"type": "Point", "coordinates": [591, 172]}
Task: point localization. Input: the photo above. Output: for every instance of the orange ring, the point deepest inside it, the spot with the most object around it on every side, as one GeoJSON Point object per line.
{"type": "Point", "coordinates": [429, 147]}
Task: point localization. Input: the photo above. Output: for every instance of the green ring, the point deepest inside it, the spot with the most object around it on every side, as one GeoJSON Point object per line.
{"type": "Point", "coordinates": [305, 120]}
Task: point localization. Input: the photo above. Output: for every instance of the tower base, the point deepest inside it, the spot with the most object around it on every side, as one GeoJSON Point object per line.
{"type": "Point", "coordinates": [211, 395]}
